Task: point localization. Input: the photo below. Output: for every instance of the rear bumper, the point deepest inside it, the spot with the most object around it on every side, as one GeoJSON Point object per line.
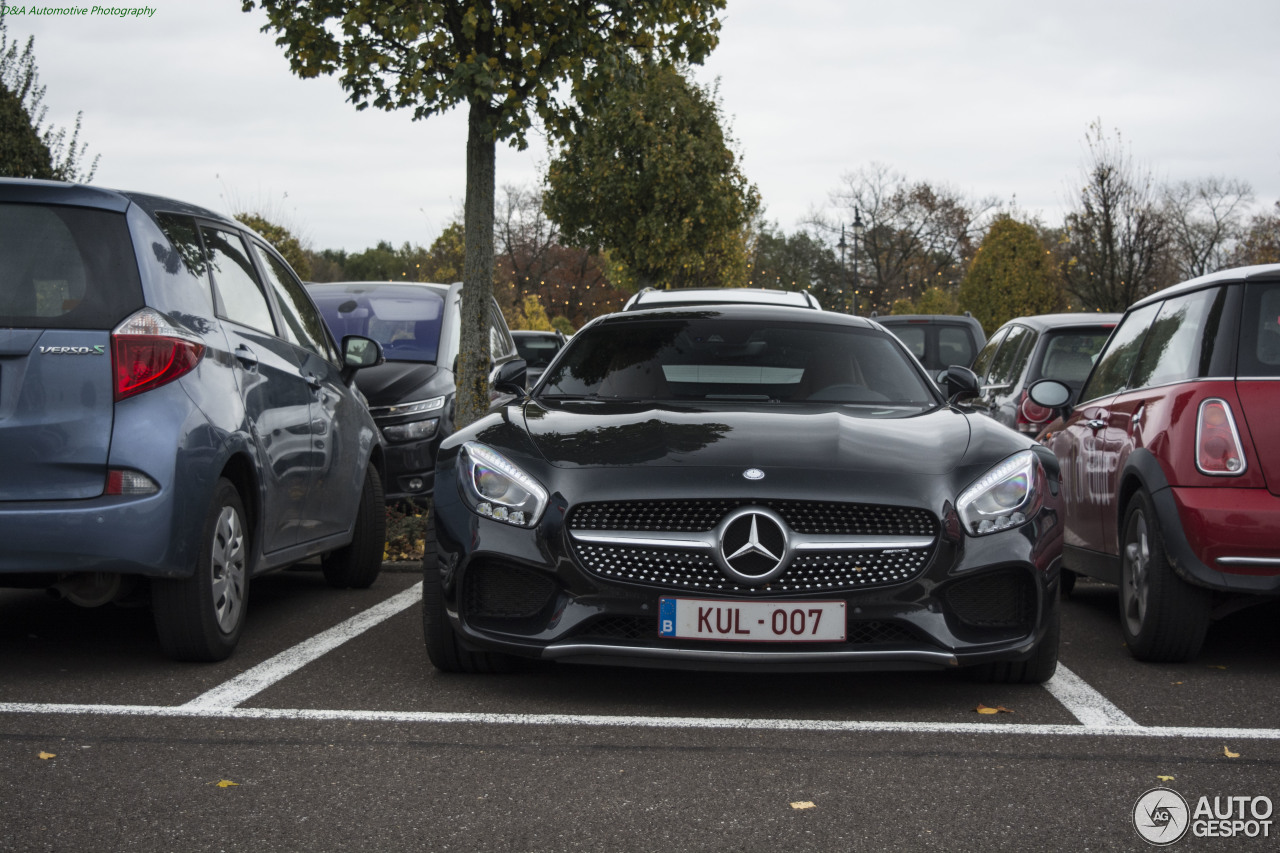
{"type": "Point", "coordinates": [108, 534]}
{"type": "Point", "coordinates": [1223, 538]}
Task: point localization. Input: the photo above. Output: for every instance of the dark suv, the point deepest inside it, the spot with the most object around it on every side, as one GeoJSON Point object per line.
{"type": "Point", "coordinates": [411, 395]}
{"type": "Point", "coordinates": [1171, 459]}
{"type": "Point", "coordinates": [1027, 349]}
{"type": "Point", "coordinates": [172, 409]}
{"type": "Point", "coordinates": [937, 340]}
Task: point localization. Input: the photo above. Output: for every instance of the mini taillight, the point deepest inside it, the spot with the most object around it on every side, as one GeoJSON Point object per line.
{"type": "Point", "coordinates": [149, 351]}
{"type": "Point", "coordinates": [1031, 416]}
{"type": "Point", "coordinates": [1218, 449]}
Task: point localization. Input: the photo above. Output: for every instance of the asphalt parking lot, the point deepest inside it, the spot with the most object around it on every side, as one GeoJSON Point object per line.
{"type": "Point", "coordinates": [328, 730]}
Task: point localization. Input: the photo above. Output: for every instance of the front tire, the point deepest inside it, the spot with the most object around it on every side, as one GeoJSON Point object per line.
{"type": "Point", "coordinates": [200, 618]}
{"type": "Point", "coordinates": [357, 565]}
{"type": "Point", "coordinates": [1164, 618]}
{"type": "Point", "coordinates": [1036, 669]}
{"type": "Point", "coordinates": [443, 649]}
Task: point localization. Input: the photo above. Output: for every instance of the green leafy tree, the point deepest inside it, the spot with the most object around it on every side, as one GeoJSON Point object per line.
{"type": "Point", "coordinates": [935, 300]}
{"type": "Point", "coordinates": [798, 262]}
{"type": "Point", "coordinates": [508, 62]}
{"type": "Point", "coordinates": [284, 241]}
{"type": "Point", "coordinates": [650, 177]}
{"type": "Point", "coordinates": [1013, 275]}
{"type": "Point", "coordinates": [26, 149]}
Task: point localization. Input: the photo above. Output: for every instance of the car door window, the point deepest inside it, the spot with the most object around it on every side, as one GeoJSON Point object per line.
{"type": "Point", "coordinates": [243, 300]}
{"type": "Point", "coordinates": [302, 324]}
{"type": "Point", "coordinates": [500, 344]}
{"type": "Point", "coordinates": [1176, 348]}
{"type": "Point", "coordinates": [987, 354]}
{"type": "Point", "coordinates": [1115, 364]}
{"type": "Point", "coordinates": [1008, 363]}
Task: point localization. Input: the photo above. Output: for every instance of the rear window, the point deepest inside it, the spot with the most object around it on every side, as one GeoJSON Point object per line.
{"type": "Point", "coordinates": [1260, 331]}
{"type": "Point", "coordinates": [405, 319]}
{"type": "Point", "coordinates": [65, 268]}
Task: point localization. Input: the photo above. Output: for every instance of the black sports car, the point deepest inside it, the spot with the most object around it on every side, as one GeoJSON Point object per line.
{"type": "Point", "coordinates": [744, 487]}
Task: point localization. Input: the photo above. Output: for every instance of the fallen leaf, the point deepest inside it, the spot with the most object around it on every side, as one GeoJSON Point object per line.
{"type": "Point", "coordinates": [45, 756]}
{"type": "Point", "coordinates": [1226, 750]}
{"type": "Point", "coordinates": [227, 783]}
{"type": "Point", "coordinates": [999, 709]}
{"type": "Point", "coordinates": [1165, 778]}
{"type": "Point", "coordinates": [1175, 682]}
{"type": "Point", "coordinates": [1216, 666]}
{"type": "Point", "coordinates": [805, 804]}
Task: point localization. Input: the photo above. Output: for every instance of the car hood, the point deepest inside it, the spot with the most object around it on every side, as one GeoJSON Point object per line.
{"type": "Point", "coordinates": [580, 435]}
{"type": "Point", "coordinates": [401, 381]}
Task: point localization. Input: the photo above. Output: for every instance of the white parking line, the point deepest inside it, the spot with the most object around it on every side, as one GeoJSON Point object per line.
{"type": "Point", "coordinates": [1097, 715]}
{"type": "Point", "coordinates": [253, 681]}
{"type": "Point", "coordinates": [744, 724]}
{"type": "Point", "coordinates": [1086, 704]}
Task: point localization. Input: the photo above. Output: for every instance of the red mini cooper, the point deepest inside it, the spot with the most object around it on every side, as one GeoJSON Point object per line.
{"type": "Point", "coordinates": [1171, 458]}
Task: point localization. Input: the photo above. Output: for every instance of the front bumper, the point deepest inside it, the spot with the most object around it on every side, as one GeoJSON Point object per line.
{"type": "Point", "coordinates": [526, 593]}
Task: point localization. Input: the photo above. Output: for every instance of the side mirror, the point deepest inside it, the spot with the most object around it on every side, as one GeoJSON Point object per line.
{"type": "Point", "coordinates": [359, 352]}
{"type": "Point", "coordinates": [1052, 394]}
{"type": "Point", "coordinates": [961, 383]}
{"type": "Point", "coordinates": [511, 378]}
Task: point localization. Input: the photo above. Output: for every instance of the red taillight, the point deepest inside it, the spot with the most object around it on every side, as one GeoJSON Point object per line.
{"type": "Point", "coordinates": [1218, 449]}
{"type": "Point", "coordinates": [1031, 416]}
{"type": "Point", "coordinates": [148, 351]}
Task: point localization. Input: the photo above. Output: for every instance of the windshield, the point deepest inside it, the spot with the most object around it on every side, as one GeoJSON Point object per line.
{"type": "Point", "coordinates": [713, 358]}
{"type": "Point", "coordinates": [404, 318]}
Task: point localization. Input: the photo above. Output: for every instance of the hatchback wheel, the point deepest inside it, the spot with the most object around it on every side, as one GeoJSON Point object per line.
{"type": "Point", "coordinates": [1163, 617]}
{"type": "Point", "coordinates": [358, 564]}
{"type": "Point", "coordinates": [200, 618]}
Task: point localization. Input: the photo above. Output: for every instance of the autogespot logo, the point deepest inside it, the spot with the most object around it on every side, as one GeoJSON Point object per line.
{"type": "Point", "coordinates": [1160, 816]}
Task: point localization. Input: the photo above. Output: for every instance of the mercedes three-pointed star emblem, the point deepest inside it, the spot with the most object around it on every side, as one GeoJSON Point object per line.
{"type": "Point", "coordinates": [754, 547]}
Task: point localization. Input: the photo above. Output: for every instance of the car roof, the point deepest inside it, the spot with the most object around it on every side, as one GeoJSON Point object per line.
{"type": "Point", "coordinates": [924, 319]}
{"type": "Point", "coordinates": [1043, 322]}
{"type": "Point", "coordinates": [354, 286]}
{"type": "Point", "coordinates": [82, 195]}
{"type": "Point", "coordinates": [733, 310]}
{"type": "Point", "coordinates": [651, 297]}
{"type": "Point", "coordinates": [1260, 272]}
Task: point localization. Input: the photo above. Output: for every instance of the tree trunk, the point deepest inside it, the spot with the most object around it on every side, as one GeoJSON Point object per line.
{"type": "Point", "coordinates": [477, 273]}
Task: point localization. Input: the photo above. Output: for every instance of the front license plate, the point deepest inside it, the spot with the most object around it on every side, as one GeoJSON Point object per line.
{"type": "Point", "coordinates": [752, 621]}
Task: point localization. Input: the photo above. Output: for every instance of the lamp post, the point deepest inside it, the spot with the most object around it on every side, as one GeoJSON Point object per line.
{"type": "Point", "coordinates": [857, 229]}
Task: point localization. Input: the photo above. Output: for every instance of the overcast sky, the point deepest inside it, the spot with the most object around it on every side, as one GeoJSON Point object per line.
{"type": "Point", "coordinates": [991, 98]}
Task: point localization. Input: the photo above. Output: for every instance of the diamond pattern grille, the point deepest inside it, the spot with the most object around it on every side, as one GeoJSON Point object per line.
{"type": "Point", "coordinates": [814, 517]}
{"type": "Point", "coordinates": [694, 570]}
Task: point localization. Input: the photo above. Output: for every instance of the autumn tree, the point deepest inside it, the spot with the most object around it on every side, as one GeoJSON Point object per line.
{"type": "Point", "coordinates": [533, 259]}
{"type": "Point", "coordinates": [509, 62]}
{"type": "Point", "coordinates": [1206, 220]}
{"type": "Point", "coordinates": [1260, 242]}
{"type": "Point", "coordinates": [28, 149]}
{"type": "Point", "coordinates": [1116, 234]}
{"type": "Point", "coordinates": [916, 235]}
{"type": "Point", "coordinates": [1013, 274]}
{"type": "Point", "coordinates": [650, 178]}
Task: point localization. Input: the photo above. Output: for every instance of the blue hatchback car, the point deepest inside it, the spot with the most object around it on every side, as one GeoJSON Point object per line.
{"type": "Point", "coordinates": [173, 411]}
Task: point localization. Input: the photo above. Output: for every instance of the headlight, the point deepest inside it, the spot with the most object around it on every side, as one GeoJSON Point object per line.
{"type": "Point", "coordinates": [1006, 496]}
{"type": "Point", "coordinates": [497, 489]}
{"type": "Point", "coordinates": [415, 431]}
